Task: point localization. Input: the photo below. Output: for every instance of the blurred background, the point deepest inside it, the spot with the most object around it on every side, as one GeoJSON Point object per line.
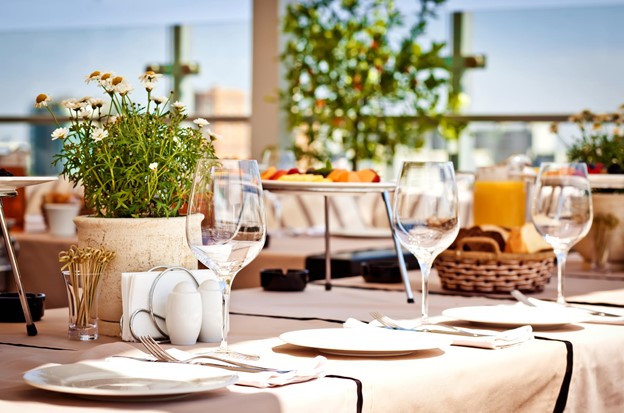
{"type": "Point", "coordinates": [525, 64]}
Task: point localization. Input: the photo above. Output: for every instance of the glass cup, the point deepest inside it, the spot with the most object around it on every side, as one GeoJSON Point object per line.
{"type": "Point", "coordinates": [82, 295]}
{"type": "Point", "coordinates": [499, 198]}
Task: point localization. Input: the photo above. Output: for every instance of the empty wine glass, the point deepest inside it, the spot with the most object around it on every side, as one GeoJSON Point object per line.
{"type": "Point", "coordinates": [228, 195]}
{"type": "Point", "coordinates": [562, 210]}
{"type": "Point", "coordinates": [425, 215]}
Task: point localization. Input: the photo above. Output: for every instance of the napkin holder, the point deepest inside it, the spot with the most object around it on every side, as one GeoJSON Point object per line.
{"type": "Point", "coordinates": [350, 263]}
{"type": "Point", "coordinates": [144, 299]}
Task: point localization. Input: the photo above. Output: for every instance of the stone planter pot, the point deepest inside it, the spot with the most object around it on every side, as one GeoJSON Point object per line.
{"type": "Point", "coordinates": [139, 244]}
{"type": "Point", "coordinates": [605, 204]}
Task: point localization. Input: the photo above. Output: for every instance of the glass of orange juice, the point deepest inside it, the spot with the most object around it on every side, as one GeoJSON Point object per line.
{"type": "Point", "coordinates": [499, 199]}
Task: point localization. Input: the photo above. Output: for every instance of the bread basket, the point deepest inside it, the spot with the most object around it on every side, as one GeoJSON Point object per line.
{"type": "Point", "coordinates": [495, 271]}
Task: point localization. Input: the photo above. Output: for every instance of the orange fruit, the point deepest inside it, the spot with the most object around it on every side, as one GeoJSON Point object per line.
{"type": "Point", "coordinates": [336, 174]}
{"type": "Point", "coordinates": [268, 173]}
{"type": "Point", "coordinates": [368, 175]}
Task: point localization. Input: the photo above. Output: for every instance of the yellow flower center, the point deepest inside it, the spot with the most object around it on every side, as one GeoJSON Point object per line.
{"type": "Point", "coordinates": [42, 97]}
{"type": "Point", "coordinates": [117, 80]}
{"type": "Point", "coordinates": [94, 74]}
{"type": "Point", "coordinates": [105, 76]}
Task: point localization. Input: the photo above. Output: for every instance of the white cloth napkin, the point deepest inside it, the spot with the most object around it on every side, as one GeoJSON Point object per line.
{"type": "Point", "coordinates": [596, 319]}
{"type": "Point", "coordinates": [495, 340]}
{"type": "Point", "coordinates": [135, 289]}
{"type": "Point", "coordinates": [294, 371]}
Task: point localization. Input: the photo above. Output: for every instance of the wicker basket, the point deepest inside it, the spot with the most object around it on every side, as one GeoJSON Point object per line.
{"type": "Point", "coordinates": [493, 272]}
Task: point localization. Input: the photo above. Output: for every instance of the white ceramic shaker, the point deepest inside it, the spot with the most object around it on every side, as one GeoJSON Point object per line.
{"type": "Point", "coordinates": [212, 311]}
{"type": "Point", "coordinates": [184, 314]}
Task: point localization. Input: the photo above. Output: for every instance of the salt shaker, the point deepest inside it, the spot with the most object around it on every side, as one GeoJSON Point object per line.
{"type": "Point", "coordinates": [212, 311]}
{"type": "Point", "coordinates": [184, 314]}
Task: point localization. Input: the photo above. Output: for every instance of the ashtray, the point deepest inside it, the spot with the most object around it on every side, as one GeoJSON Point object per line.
{"type": "Point", "coordinates": [385, 272]}
{"type": "Point", "coordinates": [275, 279]}
{"type": "Point", "coordinates": [11, 308]}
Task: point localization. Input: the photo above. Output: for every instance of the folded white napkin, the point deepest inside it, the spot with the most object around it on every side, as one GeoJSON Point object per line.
{"type": "Point", "coordinates": [494, 339]}
{"type": "Point", "coordinates": [289, 372]}
{"type": "Point", "coordinates": [135, 291]}
{"type": "Point", "coordinates": [596, 319]}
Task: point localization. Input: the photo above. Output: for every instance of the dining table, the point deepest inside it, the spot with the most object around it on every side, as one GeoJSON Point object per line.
{"type": "Point", "coordinates": [570, 366]}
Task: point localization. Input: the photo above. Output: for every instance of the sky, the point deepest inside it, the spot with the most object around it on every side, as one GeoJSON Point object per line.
{"type": "Point", "coordinates": [543, 56]}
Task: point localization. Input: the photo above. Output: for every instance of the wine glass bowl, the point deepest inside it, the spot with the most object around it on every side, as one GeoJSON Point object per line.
{"type": "Point", "coordinates": [228, 196]}
{"type": "Point", "coordinates": [561, 210]}
{"type": "Point", "coordinates": [425, 214]}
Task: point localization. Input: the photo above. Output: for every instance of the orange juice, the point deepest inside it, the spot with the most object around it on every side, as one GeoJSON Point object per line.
{"type": "Point", "coordinates": [499, 203]}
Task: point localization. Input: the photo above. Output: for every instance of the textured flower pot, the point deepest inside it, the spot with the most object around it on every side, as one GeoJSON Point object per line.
{"type": "Point", "coordinates": [139, 244]}
{"type": "Point", "coordinates": [606, 204]}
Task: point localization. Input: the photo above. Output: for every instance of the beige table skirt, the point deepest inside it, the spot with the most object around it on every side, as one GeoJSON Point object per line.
{"type": "Point", "coordinates": [525, 378]}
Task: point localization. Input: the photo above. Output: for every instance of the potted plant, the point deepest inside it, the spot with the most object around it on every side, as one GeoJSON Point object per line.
{"type": "Point", "coordinates": [135, 163]}
{"type": "Point", "coordinates": [601, 147]}
{"type": "Point", "coordinates": [355, 78]}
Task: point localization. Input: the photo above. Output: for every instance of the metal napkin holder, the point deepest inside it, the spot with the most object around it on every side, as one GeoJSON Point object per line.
{"type": "Point", "coordinates": [164, 270]}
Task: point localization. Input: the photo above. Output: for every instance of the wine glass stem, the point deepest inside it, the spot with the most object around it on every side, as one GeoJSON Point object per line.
{"type": "Point", "coordinates": [225, 311]}
{"type": "Point", "coordinates": [562, 256]}
{"type": "Point", "coordinates": [425, 269]}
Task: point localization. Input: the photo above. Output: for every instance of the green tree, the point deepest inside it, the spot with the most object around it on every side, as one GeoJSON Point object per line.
{"type": "Point", "coordinates": [356, 77]}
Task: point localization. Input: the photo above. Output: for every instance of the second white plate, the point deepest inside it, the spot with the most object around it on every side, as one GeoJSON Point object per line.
{"type": "Point", "coordinates": [365, 342]}
{"type": "Point", "coordinates": [516, 315]}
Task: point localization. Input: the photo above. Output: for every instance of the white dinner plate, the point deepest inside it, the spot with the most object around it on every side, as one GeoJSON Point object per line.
{"type": "Point", "coordinates": [11, 183]}
{"type": "Point", "coordinates": [328, 187]}
{"type": "Point", "coordinates": [372, 232]}
{"type": "Point", "coordinates": [517, 315]}
{"type": "Point", "coordinates": [128, 380]}
{"type": "Point", "coordinates": [365, 342]}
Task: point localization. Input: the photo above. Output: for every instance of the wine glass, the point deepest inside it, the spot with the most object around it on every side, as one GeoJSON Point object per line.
{"type": "Point", "coordinates": [425, 215]}
{"type": "Point", "coordinates": [228, 195]}
{"type": "Point", "coordinates": [562, 210]}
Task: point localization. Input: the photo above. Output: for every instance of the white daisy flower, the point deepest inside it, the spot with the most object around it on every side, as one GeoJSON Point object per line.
{"type": "Point", "coordinates": [42, 100]}
{"type": "Point", "coordinates": [215, 135]}
{"type": "Point", "coordinates": [201, 122]}
{"type": "Point", "coordinates": [179, 106]}
{"type": "Point", "coordinates": [60, 133]}
{"type": "Point", "coordinates": [96, 103]}
{"type": "Point", "coordinates": [123, 88]}
{"type": "Point", "coordinates": [150, 76]}
{"type": "Point", "coordinates": [158, 99]}
{"type": "Point", "coordinates": [93, 77]}
{"type": "Point", "coordinates": [112, 119]}
{"type": "Point", "coordinates": [153, 166]}
{"type": "Point", "coordinates": [71, 104]}
{"type": "Point", "coordinates": [84, 113]}
{"type": "Point", "coordinates": [99, 134]}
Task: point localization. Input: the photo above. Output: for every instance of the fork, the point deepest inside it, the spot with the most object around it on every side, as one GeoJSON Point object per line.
{"type": "Point", "coordinates": [161, 354]}
{"type": "Point", "coordinates": [430, 328]}
{"type": "Point", "coordinates": [532, 302]}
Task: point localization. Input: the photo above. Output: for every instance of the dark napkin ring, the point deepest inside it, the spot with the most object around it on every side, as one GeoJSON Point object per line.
{"type": "Point", "coordinates": [274, 279]}
{"type": "Point", "coordinates": [385, 272]}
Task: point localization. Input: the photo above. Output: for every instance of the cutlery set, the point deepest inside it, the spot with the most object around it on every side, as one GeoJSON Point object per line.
{"type": "Point", "coordinates": [161, 355]}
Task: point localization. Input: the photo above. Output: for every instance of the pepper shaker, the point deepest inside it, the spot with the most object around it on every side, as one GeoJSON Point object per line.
{"type": "Point", "coordinates": [184, 314]}
{"type": "Point", "coordinates": [212, 311]}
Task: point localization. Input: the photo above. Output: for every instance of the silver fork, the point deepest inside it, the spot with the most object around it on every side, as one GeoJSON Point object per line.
{"type": "Point", "coordinates": [161, 354]}
{"type": "Point", "coordinates": [431, 328]}
{"type": "Point", "coordinates": [528, 301]}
